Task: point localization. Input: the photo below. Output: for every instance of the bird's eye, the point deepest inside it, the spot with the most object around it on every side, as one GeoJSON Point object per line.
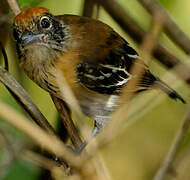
{"type": "Point", "coordinates": [45, 22]}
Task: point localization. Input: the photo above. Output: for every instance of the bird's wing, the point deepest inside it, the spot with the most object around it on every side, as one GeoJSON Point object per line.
{"type": "Point", "coordinates": [110, 73]}
{"type": "Point", "coordinates": [106, 58]}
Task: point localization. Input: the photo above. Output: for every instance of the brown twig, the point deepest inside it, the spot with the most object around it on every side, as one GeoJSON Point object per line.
{"type": "Point", "coordinates": [48, 165]}
{"type": "Point", "coordinates": [87, 170]}
{"type": "Point", "coordinates": [13, 4]}
{"type": "Point", "coordinates": [70, 98]}
{"type": "Point", "coordinates": [167, 164]}
{"type": "Point", "coordinates": [67, 121]}
{"type": "Point", "coordinates": [88, 8]}
{"type": "Point", "coordinates": [38, 159]}
{"type": "Point", "coordinates": [15, 8]}
{"type": "Point", "coordinates": [4, 21]}
{"type": "Point", "coordinates": [38, 135]}
{"type": "Point", "coordinates": [172, 29]}
{"type": "Point", "coordinates": [4, 57]}
{"type": "Point", "coordinates": [23, 98]}
{"type": "Point", "coordinates": [123, 19]}
{"type": "Point", "coordinates": [137, 33]}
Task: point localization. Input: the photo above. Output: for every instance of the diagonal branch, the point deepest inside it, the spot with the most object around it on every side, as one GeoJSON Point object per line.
{"type": "Point", "coordinates": [67, 121]}
{"type": "Point", "coordinates": [38, 135]}
{"type": "Point", "coordinates": [23, 98]}
{"type": "Point", "coordinates": [171, 28]}
{"type": "Point", "coordinates": [14, 6]}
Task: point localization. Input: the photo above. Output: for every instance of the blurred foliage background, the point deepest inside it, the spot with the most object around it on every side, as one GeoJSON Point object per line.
{"type": "Point", "coordinates": [138, 151]}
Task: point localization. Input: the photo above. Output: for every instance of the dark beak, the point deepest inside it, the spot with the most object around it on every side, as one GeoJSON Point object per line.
{"type": "Point", "coordinates": [29, 38]}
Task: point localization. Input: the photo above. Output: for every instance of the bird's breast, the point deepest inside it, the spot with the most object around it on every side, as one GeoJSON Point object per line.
{"type": "Point", "coordinates": [39, 64]}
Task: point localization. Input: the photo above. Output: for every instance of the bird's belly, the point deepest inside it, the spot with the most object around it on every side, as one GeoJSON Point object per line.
{"type": "Point", "coordinates": [100, 110]}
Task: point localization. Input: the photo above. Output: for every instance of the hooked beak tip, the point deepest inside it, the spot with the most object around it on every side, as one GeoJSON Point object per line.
{"type": "Point", "coordinates": [28, 38]}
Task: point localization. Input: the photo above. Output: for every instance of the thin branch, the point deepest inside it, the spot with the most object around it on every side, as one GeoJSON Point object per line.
{"type": "Point", "coordinates": [90, 167]}
{"type": "Point", "coordinates": [4, 57]}
{"type": "Point", "coordinates": [61, 130]}
{"type": "Point", "coordinates": [172, 29]}
{"type": "Point", "coordinates": [14, 6]}
{"type": "Point", "coordinates": [38, 135]}
{"type": "Point", "coordinates": [51, 166]}
{"type": "Point", "coordinates": [91, 9]}
{"type": "Point", "coordinates": [137, 33]}
{"type": "Point", "coordinates": [88, 8]}
{"type": "Point", "coordinates": [23, 98]}
{"type": "Point", "coordinates": [67, 121]}
{"type": "Point", "coordinates": [38, 159]}
{"type": "Point", "coordinates": [167, 164]}
{"type": "Point", "coordinates": [4, 21]}
{"type": "Point", "coordinates": [70, 98]}
{"type": "Point", "coordinates": [123, 19]}
{"type": "Point", "coordinates": [51, 143]}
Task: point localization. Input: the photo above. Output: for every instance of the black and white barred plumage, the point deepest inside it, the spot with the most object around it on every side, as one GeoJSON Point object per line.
{"type": "Point", "coordinates": [109, 78]}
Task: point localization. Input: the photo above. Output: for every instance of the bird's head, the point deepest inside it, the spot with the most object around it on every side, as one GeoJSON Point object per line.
{"type": "Point", "coordinates": [37, 27]}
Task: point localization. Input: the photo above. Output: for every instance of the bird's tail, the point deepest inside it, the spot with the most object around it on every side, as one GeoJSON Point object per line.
{"type": "Point", "coordinates": [169, 91]}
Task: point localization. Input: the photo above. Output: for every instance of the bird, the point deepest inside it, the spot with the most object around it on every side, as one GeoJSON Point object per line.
{"type": "Point", "coordinates": [93, 58]}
